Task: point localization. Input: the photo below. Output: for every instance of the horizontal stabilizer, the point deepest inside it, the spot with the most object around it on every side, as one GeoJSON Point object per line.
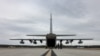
{"type": "Point", "coordinates": [36, 35]}
{"type": "Point", "coordinates": [66, 35]}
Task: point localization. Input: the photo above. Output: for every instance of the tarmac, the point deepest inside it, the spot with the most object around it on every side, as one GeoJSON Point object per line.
{"type": "Point", "coordinates": [41, 51]}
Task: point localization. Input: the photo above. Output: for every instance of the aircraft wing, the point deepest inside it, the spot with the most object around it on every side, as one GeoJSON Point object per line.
{"type": "Point", "coordinates": [77, 39]}
{"type": "Point", "coordinates": [30, 40]}
{"type": "Point", "coordinates": [27, 39]}
{"type": "Point", "coordinates": [71, 40]}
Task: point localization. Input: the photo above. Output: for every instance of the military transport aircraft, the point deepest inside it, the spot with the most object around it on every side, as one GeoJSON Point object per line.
{"type": "Point", "coordinates": [51, 38]}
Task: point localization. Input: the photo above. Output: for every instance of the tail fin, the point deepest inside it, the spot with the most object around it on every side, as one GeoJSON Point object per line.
{"type": "Point", "coordinates": [51, 23]}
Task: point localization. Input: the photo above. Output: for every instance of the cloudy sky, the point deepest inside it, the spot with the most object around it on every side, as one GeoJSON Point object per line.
{"type": "Point", "coordinates": [21, 17]}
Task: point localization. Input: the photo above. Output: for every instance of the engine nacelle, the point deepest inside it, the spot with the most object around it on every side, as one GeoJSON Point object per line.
{"type": "Point", "coordinates": [61, 41]}
{"type": "Point", "coordinates": [80, 42]}
{"type": "Point", "coordinates": [34, 42]}
{"type": "Point", "coordinates": [67, 42]}
{"type": "Point", "coordinates": [71, 41]}
{"type": "Point", "coordinates": [30, 41]}
{"type": "Point", "coordinates": [41, 41]}
{"type": "Point", "coordinates": [21, 42]}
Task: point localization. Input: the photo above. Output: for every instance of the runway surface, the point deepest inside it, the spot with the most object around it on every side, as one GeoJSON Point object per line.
{"type": "Point", "coordinates": [40, 51]}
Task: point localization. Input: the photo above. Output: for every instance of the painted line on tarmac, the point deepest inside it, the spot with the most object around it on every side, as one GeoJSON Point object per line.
{"type": "Point", "coordinates": [50, 52]}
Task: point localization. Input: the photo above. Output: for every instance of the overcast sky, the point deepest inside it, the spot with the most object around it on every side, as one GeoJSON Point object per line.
{"type": "Point", "coordinates": [21, 17]}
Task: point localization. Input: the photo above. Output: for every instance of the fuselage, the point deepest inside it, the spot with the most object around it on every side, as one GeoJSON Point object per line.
{"type": "Point", "coordinates": [51, 40]}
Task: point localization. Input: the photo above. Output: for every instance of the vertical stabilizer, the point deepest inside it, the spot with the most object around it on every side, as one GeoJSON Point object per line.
{"type": "Point", "coordinates": [51, 23]}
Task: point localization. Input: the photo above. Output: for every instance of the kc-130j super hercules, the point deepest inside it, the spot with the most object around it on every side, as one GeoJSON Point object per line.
{"type": "Point", "coordinates": [51, 38]}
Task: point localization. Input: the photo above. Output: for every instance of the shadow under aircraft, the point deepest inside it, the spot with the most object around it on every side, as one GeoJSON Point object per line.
{"type": "Point", "coordinates": [51, 38]}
